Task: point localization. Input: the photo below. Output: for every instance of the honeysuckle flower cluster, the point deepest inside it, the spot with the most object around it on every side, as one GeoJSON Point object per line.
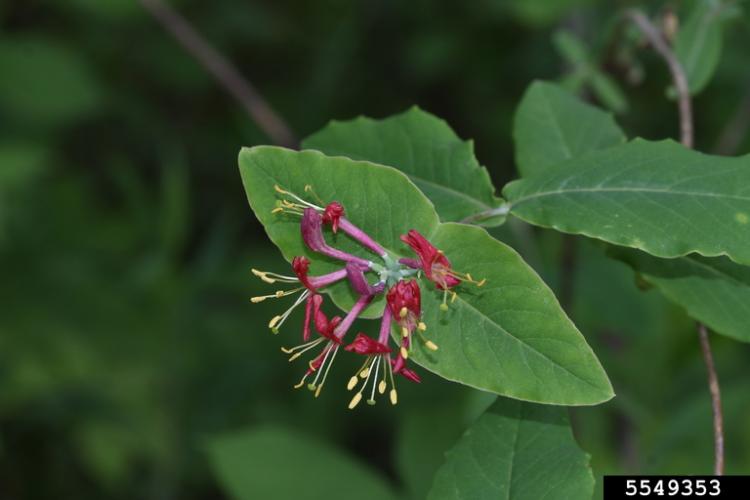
{"type": "Point", "coordinates": [396, 278]}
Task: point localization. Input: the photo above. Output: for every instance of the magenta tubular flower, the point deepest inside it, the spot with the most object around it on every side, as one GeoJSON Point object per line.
{"type": "Point", "coordinates": [332, 215]}
{"type": "Point", "coordinates": [312, 234]}
{"type": "Point", "coordinates": [435, 265]}
{"type": "Point", "coordinates": [359, 282]}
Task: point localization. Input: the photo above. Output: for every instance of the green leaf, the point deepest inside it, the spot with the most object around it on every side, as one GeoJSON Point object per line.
{"type": "Point", "coordinates": [551, 125]}
{"type": "Point", "coordinates": [715, 291]}
{"type": "Point", "coordinates": [425, 148]}
{"type": "Point", "coordinates": [509, 337]}
{"type": "Point", "coordinates": [516, 451]}
{"type": "Point", "coordinates": [698, 43]}
{"type": "Point", "coordinates": [274, 462]}
{"type": "Point", "coordinates": [656, 196]}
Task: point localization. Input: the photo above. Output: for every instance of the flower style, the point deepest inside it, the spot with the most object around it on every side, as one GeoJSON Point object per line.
{"type": "Point", "coordinates": [403, 301]}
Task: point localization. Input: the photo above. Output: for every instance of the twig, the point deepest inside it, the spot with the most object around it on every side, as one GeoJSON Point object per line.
{"type": "Point", "coordinates": [713, 386]}
{"type": "Point", "coordinates": [686, 137]}
{"type": "Point", "coordinates": [225, 73]}
{"type": "Point", "coordinates": [659, 44]}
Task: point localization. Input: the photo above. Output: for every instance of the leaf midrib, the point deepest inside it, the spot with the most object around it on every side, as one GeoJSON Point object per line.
{"type": "Point", "coordinates": [461, 300]}
{"type": "Point", "coordinates": [543, 194]}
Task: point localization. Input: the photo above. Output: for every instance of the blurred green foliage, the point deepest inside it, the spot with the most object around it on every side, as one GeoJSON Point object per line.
{"type": "Point", "coordinates": [126, 337]}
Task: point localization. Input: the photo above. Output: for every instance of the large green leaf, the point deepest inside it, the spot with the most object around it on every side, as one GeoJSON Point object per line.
{"type": "Point", "coordinates": [656, 196]}
{"type": "Point", "coordinates": [516, 451]}
{"type": "Point", "coordinates": [509, 337]}
{"type": "Point", "coordinates": [274, 462]}
{"type": "Point", "coordinates": [698, 43]}
{"type": "Point", "coordinates": [551, 126]}
{"type": "Point", "coordinates": [425, 148]}
{"type": "Point", "coordinates": [715, 291]}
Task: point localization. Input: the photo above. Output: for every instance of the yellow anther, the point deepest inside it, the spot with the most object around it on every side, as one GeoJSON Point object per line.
{"type": "Point", "coordinates": [264, 276]}
{"type": "Point", "coordinates": [454, 297]}
{"type": "Point", "coordinates": [317, 391]}
{"type": "Point", "coordinates": [287, 351]}
{"type": "Point", "coordinates": [394, 396]}
{"type": "Point", "coordinates": [277, 210]}
{"type": "Point", "coordinates": [381, 387]}
{"type": "Point", "coordinates": [295, 356]}
{"type": "Point", "coordinates": [256, 300]}
{"type": "Point", "coordinates": [301, 383]}
{"type": "Point", "coordinates": [404, 332]}
{"type": "Point", "coordinates": [468, 277]}
{"type": "Point", "coordinates": [279, 293]}
{"type": "Point", "coordinates": [431, 345]}
{"type": "Point", "coordinates": [278, 189]}
{"type": "Point", "coordinates": [352, 383]}
{"type": "Point", "coordinates": [481, 283]}
{"type": "Point", "coordinates": [421, 326]}
{"type": "Point", "coordinates": [404, 353]}
{"type": "Point", "coordinates": [403, 312]}
{"type": "Point", "coordinates": [355, 400]}
{"type": "Point", "coordinates": [364, 373]}
{"type": "Point", "coordinates": [273, 322]}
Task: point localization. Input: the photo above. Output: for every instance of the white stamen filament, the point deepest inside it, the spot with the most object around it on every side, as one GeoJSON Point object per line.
{"type": "Point", "coordinates": [325, 375]}
{"type": "Point", "coordinates": [375, 380]}
{"type": "Point", "coordinates": [286, 314]}
{"type": "Point", "coordinates": [320, 368]}
{"type": "Point", "coordinates": [270, 277]}
{"type": "Point", "coordinates": [297, 198]}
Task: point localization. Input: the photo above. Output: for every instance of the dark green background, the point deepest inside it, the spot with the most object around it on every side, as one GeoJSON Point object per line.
{"type": "Point", "coordinates": [127, 342]}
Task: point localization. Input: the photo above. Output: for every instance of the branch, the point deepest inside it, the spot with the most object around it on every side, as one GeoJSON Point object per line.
{"type": "Point", "coordinates": [686, 137]}
{"type": "Point", "coordinates": [713, 387]}
{"type": "Point", "coordinates": [660, 45]}
{"type": "Point", "coordinates": [225, 73]}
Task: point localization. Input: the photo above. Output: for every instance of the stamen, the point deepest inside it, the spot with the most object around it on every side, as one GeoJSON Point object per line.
{"type": "Point", "coordinates": [352, 382]}
{"type": "Point", "coordinates": [393, 395]}
{"type": "Point", "coordinates": [404, 353]}
{"type": "Point", "coordinates": [301, 382]}
{"type": "Point", "coordinates": [309, 189]}
{"type": "Point", "coordinates": [274, 320]}
{"type": "Point", "coordinates": [382, 386]}
{"type": "Point", "coordinates": [421, 327]}
{"type": "Point", "coordinates": [295, 197]}
{"type": "Point", "coordinates": [274, 326]}
{"type": "Point", "coordinates": [314, 383]}
{"type": "Point", "coordinates": [355, 400]}
{"type": "Point", "coordinates": [328, 368]}
{"type": "Point", "coordinates": [431, 345]}
{"type": "Point", "coordinates": [312, 343]}
{"type": "Point", "coordinates": [371, 401]}
{"type": "Point", "coordinates": [404, 332]}
{"type": "Point", "coordinates": [270, 277]}
{"type": "Point", "coordinates": [403, 312]}
{"type": "Point", "coordinates": [465, 277]}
